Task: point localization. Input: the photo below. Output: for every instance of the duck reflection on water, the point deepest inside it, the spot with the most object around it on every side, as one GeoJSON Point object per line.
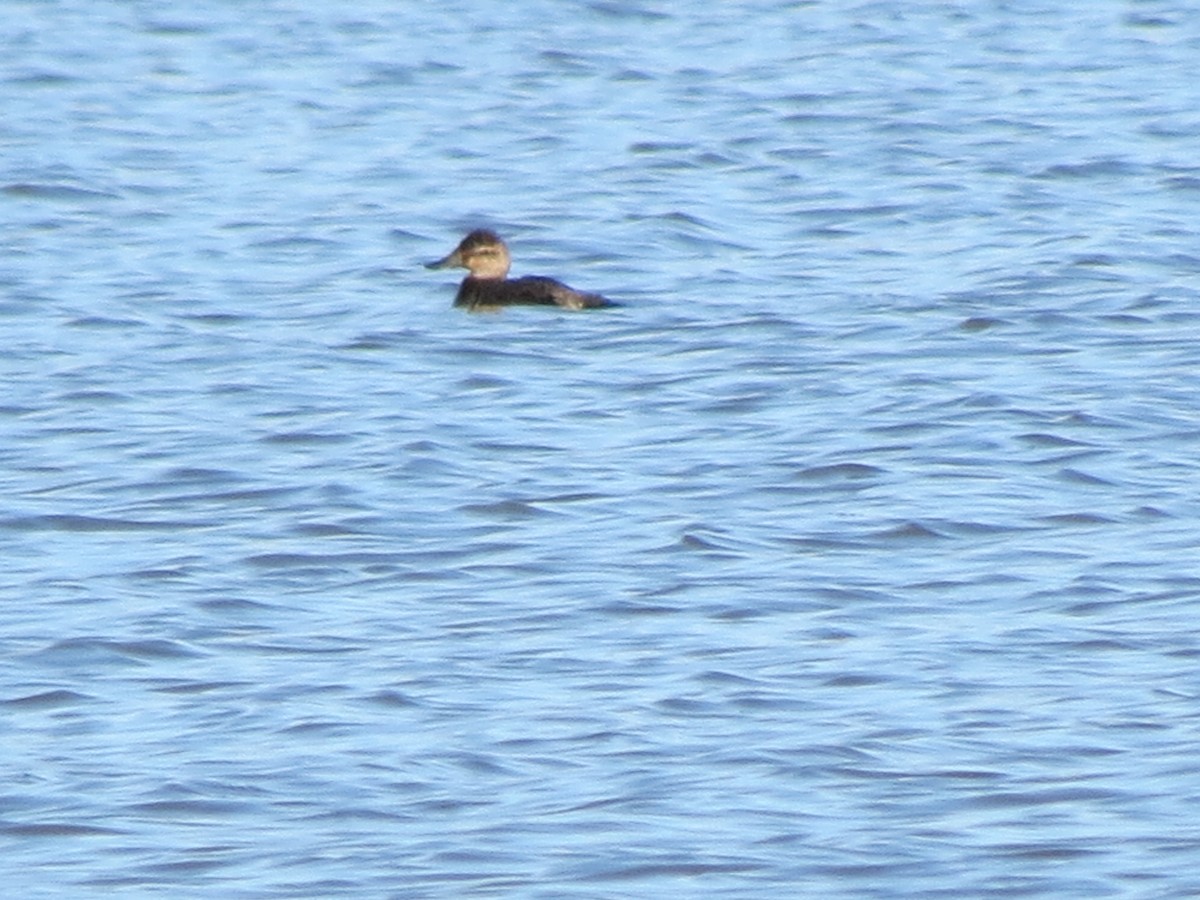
{"type": "Point", "coordinates": [487, 285]}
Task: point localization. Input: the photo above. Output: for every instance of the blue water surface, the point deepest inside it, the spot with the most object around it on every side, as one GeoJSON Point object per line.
{"type": "Point", "coordinates": [856, 555]}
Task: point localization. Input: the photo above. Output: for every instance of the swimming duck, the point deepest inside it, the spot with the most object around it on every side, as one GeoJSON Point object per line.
{"type": "Point", "coordinates": [487, 286]}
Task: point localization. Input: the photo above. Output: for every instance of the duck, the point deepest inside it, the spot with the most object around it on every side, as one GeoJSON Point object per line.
{"type": "Point", "coordinates": [487, 286]}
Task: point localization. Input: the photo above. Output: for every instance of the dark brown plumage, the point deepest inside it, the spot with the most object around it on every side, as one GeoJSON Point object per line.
{"type": "Point", "coordinates": [488, 286]}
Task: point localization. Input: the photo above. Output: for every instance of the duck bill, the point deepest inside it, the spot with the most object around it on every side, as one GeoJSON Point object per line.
{"type": "Point", "coordinates": [447, 262]}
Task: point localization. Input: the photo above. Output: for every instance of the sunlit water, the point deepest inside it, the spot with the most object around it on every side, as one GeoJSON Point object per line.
{"type": "Point", "coordinates": [857, 555]}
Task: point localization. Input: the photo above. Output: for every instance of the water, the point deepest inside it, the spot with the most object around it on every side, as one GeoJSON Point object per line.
{"type": "Point", "coordinates": [855, 556]}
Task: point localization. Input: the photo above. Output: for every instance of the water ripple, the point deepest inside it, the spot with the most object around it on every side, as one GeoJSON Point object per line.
{"type": "Point", "coordinates": [854, 556]}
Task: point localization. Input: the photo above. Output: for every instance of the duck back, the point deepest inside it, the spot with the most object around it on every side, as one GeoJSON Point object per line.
{"type": "Point", "coordinates": [531, 290]}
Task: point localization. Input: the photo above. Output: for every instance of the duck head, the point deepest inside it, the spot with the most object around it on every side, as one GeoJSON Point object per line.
{"type": "Point", "coordinates": [481, 252]}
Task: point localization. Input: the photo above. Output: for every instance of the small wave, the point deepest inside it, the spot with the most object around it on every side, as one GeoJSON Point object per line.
{"type": "Point", "coordinates": [909, 531]}
{"type": "Point", "coordinates": [77, 523]}
{"type": "Point", "coordinates": [33, 191]}
{"type": "Point", "coordinates": [47, 700]}
{"type": "Point", "coordinates": [839, 472]}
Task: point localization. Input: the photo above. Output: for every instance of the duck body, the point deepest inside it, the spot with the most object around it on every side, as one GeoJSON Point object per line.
{"type": "Point", "coordinates": [532, 290]}
{"type": "Point", "coordinates": [487, 286]}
